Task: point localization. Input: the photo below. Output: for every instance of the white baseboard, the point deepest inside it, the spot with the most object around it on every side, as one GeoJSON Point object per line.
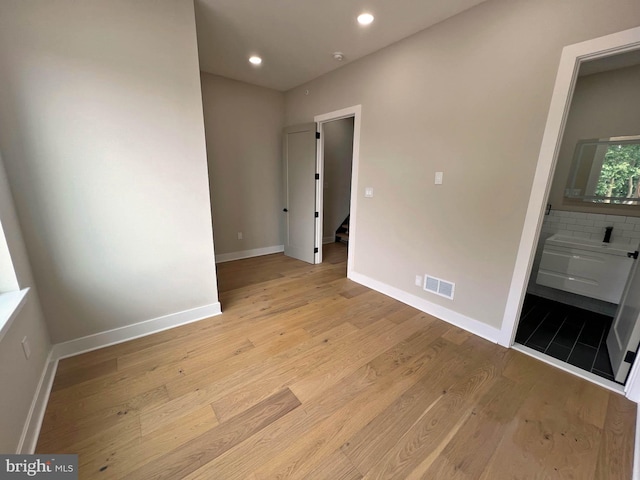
{"type": "Point", "coordinates": [326, 240]}
{"type": "Point", "coordinates": [130, 332]}
{"type": "Point", "coordinates": [31, 430]}
{"type": "Point", "coordinates": [255, 252]}
{"type": "Point", "coordinates": [466, 323]}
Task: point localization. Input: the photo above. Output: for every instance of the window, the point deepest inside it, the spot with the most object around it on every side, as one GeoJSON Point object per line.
{"type": "Point", "coordinates": [8, 280]}
{"type": "Point", "coordinates": [606, 171]}
{"type": "Point", "coordinates": [620, 173]}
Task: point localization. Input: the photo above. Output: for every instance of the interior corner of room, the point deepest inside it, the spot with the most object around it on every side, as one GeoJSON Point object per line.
{"type": "Point", "coordinates": [131, 170]}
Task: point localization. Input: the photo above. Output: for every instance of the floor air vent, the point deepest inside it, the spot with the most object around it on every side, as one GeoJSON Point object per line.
{"type": "Point", "coordinates": [439, 286]}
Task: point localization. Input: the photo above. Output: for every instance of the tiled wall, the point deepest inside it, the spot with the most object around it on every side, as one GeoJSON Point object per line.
{"type": "Point", "coordinates": [592, 225]}
{"type": "Point", "coordinates": [586, 225]}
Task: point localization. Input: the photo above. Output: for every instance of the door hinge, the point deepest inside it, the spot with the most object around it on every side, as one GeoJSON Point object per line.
{"type": "Point", "coordinates": [315, 250]}
{"type": "Point", "coordinates": [317, 176]}
{"type": "Point", "coordinates": [630, 357]}
{"type": "Point", "coordinates": [317, 214]}
{"type": "Point", "coordinates": [633, 255]}
{"type": "Point", "coordinates": [317, 135]}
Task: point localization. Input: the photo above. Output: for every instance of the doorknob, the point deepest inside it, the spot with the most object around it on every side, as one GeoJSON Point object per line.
{"type": "Point", "coordinates": [285, 210]}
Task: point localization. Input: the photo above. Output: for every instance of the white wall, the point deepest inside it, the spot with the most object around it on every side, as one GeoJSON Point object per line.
{"type": "Point", "coordinates": [468, 97]}
{"type": "Point", "coordinates": [603, 105]}
{"type": "Point", "coordinates": [338, 153]}
{"type": "Point", "coordinates": [103, 140]}
{"type": "Point", "coordinates": [19, 377]}
{"type": "Point", "coordinates": [243, 125]}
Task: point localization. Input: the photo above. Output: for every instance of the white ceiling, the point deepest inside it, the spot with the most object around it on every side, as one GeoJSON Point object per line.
{"type": "Point", "coordinates": [296, 38]}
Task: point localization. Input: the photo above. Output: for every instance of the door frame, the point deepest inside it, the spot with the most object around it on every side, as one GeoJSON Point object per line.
{"type": "Point", "coordinates": [572, 57]}
{"type": "Point", "coordinates": [355, 112]}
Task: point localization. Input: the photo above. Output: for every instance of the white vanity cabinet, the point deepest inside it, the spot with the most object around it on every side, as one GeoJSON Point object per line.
{"type": "Point", "coordinates": [593, 269]}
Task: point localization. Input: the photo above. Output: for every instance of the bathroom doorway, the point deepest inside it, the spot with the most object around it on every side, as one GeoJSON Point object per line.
{"type": "Point", "coordinates": [569, 309]}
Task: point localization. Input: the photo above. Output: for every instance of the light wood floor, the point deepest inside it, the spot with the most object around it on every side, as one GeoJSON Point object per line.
{"type": "Point", "coordinates": [309, 375]}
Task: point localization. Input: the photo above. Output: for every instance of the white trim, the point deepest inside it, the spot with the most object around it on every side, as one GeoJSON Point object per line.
{"type": "Point", "coordinates": [131, 332]}
{"type": "Point", "coordinates": [466, 323]}
{"type": "Point", "coordinates": [330, 239]}
{"type": "Point", "coordinates": [319, 226]}
{"type": "Point", "coordinates": [570, 60]}
{"type": "Point", "coordinates": [632, 385]}
{"type": "Point", "coordinates": [567, 367]}
{"type": "Point", "coordinates": [33, 424]}
{"type": "Point", "coordinates": [636, 450]}
{"type": "Point", "coordinates": [255, 252]}
{"type": "Point", "coordinates": [355, 112]}
{"type": "Point", "coordinates": [10, 304]}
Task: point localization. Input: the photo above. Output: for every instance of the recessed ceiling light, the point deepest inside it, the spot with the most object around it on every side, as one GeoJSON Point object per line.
{"type": "Point", "coordinates": [365, 18]}
{"type": "Point", "coordinates": [255, 60]}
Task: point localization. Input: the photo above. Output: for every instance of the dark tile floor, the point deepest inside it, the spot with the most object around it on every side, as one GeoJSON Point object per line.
{"type": "Point", "coordinates": [567, 333]}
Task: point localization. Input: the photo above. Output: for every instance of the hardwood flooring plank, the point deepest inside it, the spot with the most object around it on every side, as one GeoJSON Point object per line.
{"type": "Point", "coordinates": [347, 361]}
{"type": "Point", "coordinates": [335, 467]}
{"type": "Point", "coordinates": [105, 439]}
{"type": "Point", "coordinates": [134, 381]}
{"type": "Point", "coordinates": [457, 335]}
{"type": "Point", "coordinates": [460, 458]}
{"type": "Point", "coordinates": [421, 429]}
{"type": "Point", "coordinates": [545, 438]}
{"type": "Point", "coordinates": [137, 345]}
{"type": "Point", "coordinates": [79, 423]}
{"type": "Point", "coordinates": [299, 366]}
{"type": "Point", "coordinates": [615, 457]}
{"type": "Point", "coordinates": [207, 390]}
{"type": "Point", "coordinates": [315, 376]}
{"type": "Point", "coordinates": [404, 313]}
{"type": "Point", "coordinates": [353, 291]}
{"type": "Point", "coordinates": [70, 377]}
{"type": "Point", "coordinates": [189, 456]}
{"type": "Point", "coordinates": [249, 362]}
{"type": "Point", "coordinates": [139, 451]}
{"type": "Point", "coordinates": [331, 432]}
{"type": "Point", "coordinates": [358, 395]}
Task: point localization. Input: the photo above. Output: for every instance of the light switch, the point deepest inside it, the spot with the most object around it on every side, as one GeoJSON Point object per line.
{"type": "Point", "coordinates": [438, 178]}
{"type": "Point", "coordinates": [368, 192]}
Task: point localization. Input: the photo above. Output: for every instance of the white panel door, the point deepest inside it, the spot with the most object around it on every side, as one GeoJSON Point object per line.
{"type": "Point", "coordinates": [624, 335]}
{"type": "Point", "coordinates": [299, 151]}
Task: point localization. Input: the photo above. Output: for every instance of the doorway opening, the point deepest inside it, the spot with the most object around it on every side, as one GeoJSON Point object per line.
{"type": "Point", "coordinates": [336, 191]}
{"type": "Point", "coordinates": [337, 147]}
{"type": "Point", "coordinates": [604, 52]}
{"type": "Point", "coordinates": [586, 249]}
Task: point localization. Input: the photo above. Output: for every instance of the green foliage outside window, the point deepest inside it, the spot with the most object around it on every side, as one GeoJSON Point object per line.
{"type": "Point", "coordinates": [620, 173]}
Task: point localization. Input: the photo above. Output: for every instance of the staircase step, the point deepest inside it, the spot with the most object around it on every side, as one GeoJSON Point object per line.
{"type": "Point", "coordinates": [343, 236]}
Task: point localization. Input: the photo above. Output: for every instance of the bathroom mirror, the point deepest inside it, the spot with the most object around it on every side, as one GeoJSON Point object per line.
{"type": "Point", "coordinates": [606, 170]}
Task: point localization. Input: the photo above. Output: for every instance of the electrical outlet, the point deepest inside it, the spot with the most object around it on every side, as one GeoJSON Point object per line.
{"type": "Point", "coordinates": [26, 348]}
{"type": "Point", "coordinates": [438, 178]}
{"type": "Point", "coordinates": [368, 192]}
{"type": "Point", "coordinates": [418, 280]}
{"type": "Point", "coordinates": [239, 235]}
